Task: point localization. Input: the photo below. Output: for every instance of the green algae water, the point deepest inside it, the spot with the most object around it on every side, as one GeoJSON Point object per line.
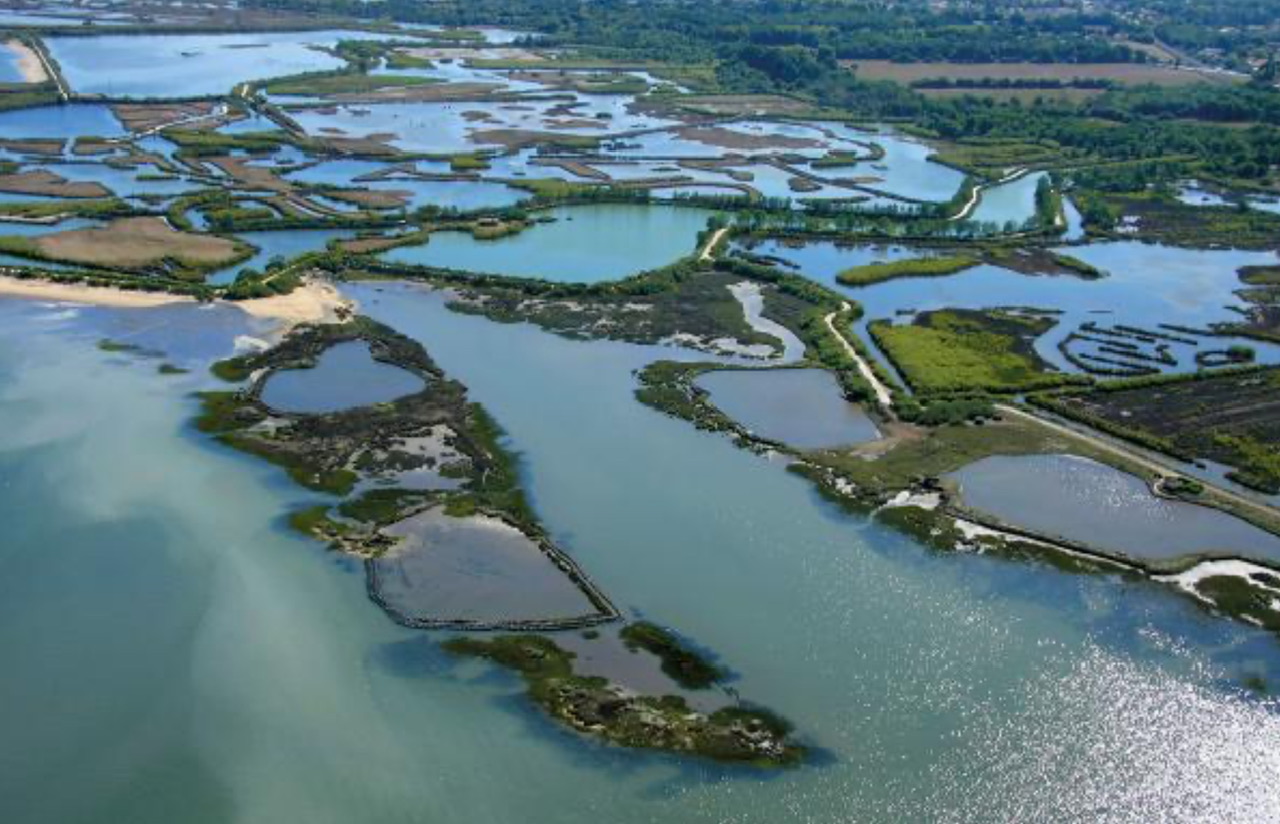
{"type": "Point", "coordinates": [173, 653]}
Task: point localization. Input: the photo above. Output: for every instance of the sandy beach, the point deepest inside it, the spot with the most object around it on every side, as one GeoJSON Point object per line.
{"type": "Point", "coordinates": [313, 302]}
{"type": "Point", "coordinates": [29, 64]}
{"type": "Point", "coordinates": [80, 293]}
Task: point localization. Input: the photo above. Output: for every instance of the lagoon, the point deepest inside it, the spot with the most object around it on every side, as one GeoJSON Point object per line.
{"type": "Point", "coordinates": [61, 122]}
{"type": "Point", "coordinates": [582, 244]}
{"type": "Point", "coordinates": [345, 376]}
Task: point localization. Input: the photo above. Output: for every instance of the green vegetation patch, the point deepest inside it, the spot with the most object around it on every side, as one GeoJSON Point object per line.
{"type": "Point", "coordinates": [1239, 598]}
{"type": "Point", "coordinates": [686, 666]}
{"type": "Point", "coordinates": [956, 351]}
{"type": "Point", "coordinates": [344, 83]}
{"type": "Point", "coordinates": [1260, 275]}
{"type": "Point", "coordinates": [915, 267]}
{"type": "Point", "coordinates": [594, 706]}
{"type": "Point", "coordinates": [1158, 216]}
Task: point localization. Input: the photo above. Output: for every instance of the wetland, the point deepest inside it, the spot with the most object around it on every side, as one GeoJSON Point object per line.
{"type": "Point", "coordinates": [672, 451]}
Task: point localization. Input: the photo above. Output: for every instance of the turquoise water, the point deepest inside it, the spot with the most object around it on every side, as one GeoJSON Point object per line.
{"type": "Point", "coordinates": [1011, 203]}
{"type": "Point", "coordinates": [345, 376]}
{"type": "Point", "coordinates": [584, 244]}
{"type": "Point", "coordinates": [907, 171]}
{"type": "Point", "coordinates": [1104, 507]}
{"type": "Point", "coordinates": [803, 408]}
{"type": "Point", "coordinates": [282, 243]}
{"type": "Point", "coordinates": [174, 653]}
{"type": "Point", "coordinates": [194, 64]}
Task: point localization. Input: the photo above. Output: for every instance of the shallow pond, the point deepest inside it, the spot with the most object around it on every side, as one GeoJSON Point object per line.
{"type": "Point", "coordinates": [1074, 229]}
{"type": "Point", "coordinates": [463, 195]}
{"type": "Point", "coordinates": [477, 569]}
{"type": "Point", "coordinates": [345, 376]}
{"type": "Point", "coordinates": [124, 182]}
{"type": "Point", "coordinates": [193, 64]}
{"type": "Point", "coordinates": [751, 296]}
{"type": "Point", "coordinates": [62, 122]}
{"type": "Point", "coordinates": [585, 244]}
{"type": "Point", "coordinates": [802, 408]}
{"type": "Point", "coordinates": [1086, 501]}
{"type": "Point", "coordinates": [906, 169]}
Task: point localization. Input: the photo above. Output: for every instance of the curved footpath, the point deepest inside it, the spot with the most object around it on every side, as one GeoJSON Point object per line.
{"type": "Point", "coordinates": [708, 251]}
{"type": "Point", "coordinates": [883, 396]}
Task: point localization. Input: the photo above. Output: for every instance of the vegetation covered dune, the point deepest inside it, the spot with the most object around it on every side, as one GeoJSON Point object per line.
{"type": "Point", "coordinates": [133, 243]}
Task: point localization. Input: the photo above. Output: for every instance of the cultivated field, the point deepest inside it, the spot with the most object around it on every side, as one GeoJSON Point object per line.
{"type": "Point", "coordinates": [1232, 418]}
{"type": "Point", "coordinates": [1126, 73]}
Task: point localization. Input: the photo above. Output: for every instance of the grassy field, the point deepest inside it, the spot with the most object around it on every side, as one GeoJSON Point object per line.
{"type": "Point", "coordinates": [1124, 73]}
{"type": "Point", "coordinates": [345, 83]}
{"type": "Point", "coordinates": [1260, 275]}
{"type": "Point", "coordinates": [950, 351]}
{"type": "Point", "coordinates": [991, 158]}
{"type": "Point", "coordinates": [913, 268]}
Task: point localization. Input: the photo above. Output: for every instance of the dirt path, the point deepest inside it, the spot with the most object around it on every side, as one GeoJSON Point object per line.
{"type": "Point", "coordinates": [709, 249]}
{"type": "Point", "coordinates": [883, 396]}
{"type": "Point", "coordinates": [1128, 453]}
